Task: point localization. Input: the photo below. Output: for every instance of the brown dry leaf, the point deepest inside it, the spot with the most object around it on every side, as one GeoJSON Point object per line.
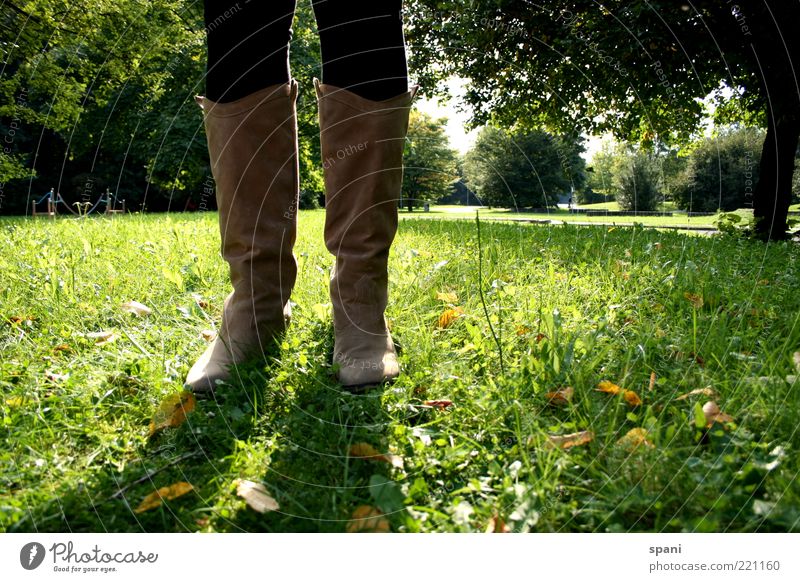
{"type": "Point", "coordinates": [567, 441]}
{"type": "Point", "coordinates": [450, 297]}
{"type": "Point", "coordinates": [440, 404]}
{"type": "Point", "coordinates": [208, 334]}
{"type": "Point", "coordinates": [561, 397]}
{"type": "Point", "coordinates": [707, 391]}
{"type": "Point", "coordinates": [523, 329]}
{"type": "Point", "coordinates": [695, 299]}
{"type": "Point", "coordinates": [256, 496]}
{"type": "Point", "coordinates": [497, 525]}
{"type": "Point", "coordinates": [632, 398]}
{"type": "Point", "coordinates": [136, 308]}
{"type": "Point", "coordinates": [608, 387]}
{"type": "Point", "coordinates": [540, 337]}
{"type": "Point", "coordinates": [168, 493]}
{"type": "Point", "coordinates": [652, 381]}
{"type": "Point", "coordinates": [449, 316]}
{"type": "Point", "coordinates": [103, 337]}
{"type": "Point", "coordinates": [634, 438]}
{"type": "Point", "coordinates": [368, 452]}
{"type": "Point", "coordinates": [367, 519]}
{"type": "Point", "coordinates": [21, 318]}
{"type": "Point", "coordinates": [714, 414]}
{"type": "Point", "coordinates": [172, 411]}
{"type": "Point", "coordinates": [62, 348]}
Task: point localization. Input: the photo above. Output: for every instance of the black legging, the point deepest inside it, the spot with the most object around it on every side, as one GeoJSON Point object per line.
{"type": "Point", "coordinates": [363, 49]}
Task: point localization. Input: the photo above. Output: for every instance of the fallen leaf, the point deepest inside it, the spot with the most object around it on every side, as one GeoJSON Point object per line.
{"type": "Point", "coordinates": [652, 381]}
{"type": "Point", "coordinates": [14, 401]}
{"type": "Point", "coordinates": [20, 319]}
{"type": "Point", "coordinates": [796, 359]}
{"type": "Point", "coordinates": [62, 348]}
{"type": "Point", "coordinates": [540, 337]}
{"type": "Point", "coordinates": [714, 414]}
{"type": "Point", "coordinates": [198, 299]}
{"type": "Point", "coordinates": [208, 334]}
{"type": "Point", "coordinates": [566, 441]}
{"type": "Point", "coordinates": [136, 308]}
{"type": "Point", "coordinates": [367, 519]}
{"type": "Point", "coordinates": [168, 493]}
{"type": "Point", "coordinates": [440, 404]}
{"type": "Point", "coordinates": [707, 391]}
{"type": "Point", "coordinates": [103, 337]}
{"type": "Point", "coordinates": [497, 525]}
{"type": "Point", "coordinates": [449, 316]}
{"type": "Point", "coordinates": [632, 398]}
{"type": "Point", "coordinates": [368, 452]}
{"type": "Point", "coordinates": [256, 496]}
{"type": "Point", "coordinates": [450, 297]}
{"type": "Point", "coordinates": [523, 329]}
{"type": "Point", "coordinates": [560, 397]}
{"type": "Point", "coordinates": [634, 438]}
{"type": "Point", "coordinates": [172, 411]}
{"type": "Point", "coordinates": [608, 387]}
{"type": "Point", "coordinates": [695, 299]}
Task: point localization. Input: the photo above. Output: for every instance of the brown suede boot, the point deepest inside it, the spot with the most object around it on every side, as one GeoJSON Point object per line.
{"type": "Point", "coordinates": [252, 143]}
{"type": "Point", "coordinates": [362, 151]}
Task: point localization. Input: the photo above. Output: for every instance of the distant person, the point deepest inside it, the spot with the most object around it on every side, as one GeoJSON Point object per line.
{"type": "Point", "coordinates": [251, 125]}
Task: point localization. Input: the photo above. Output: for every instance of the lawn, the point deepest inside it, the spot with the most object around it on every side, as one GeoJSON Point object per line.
{"type": "Point", "coordinates": [467, 439]}
{"type": "Point", "coordinates": [560, 215]}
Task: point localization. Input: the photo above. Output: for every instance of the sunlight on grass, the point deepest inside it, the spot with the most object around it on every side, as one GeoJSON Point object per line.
{"type": "Point", "coordinates": [460, 445]}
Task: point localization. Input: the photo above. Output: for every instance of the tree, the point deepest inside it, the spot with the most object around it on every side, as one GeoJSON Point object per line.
{"type": "Point", "coordinates": [637, 181]}
{"type": "Point", "coordinates": [523, 168]}
{"type": "Point", "coordinates": [429, 164]}
{"type": "Point", "coordinates": [721, 172]}
{"type": "Point", "coordinates": [602, 169]}
{"type": "Point", "coordinates": [635, 68]}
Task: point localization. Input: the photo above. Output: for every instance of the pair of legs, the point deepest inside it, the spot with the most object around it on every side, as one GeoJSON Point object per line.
{"type": "Point", "coordinates": [251, 125]}
{"type": "Point", "coordinates": [362, 44]}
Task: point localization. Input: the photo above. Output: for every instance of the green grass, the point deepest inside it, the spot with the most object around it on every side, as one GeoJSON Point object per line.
{"type": "Point", "coordinates": [560, 215]}
{"type": "Point", "coordinates": [564, 306]}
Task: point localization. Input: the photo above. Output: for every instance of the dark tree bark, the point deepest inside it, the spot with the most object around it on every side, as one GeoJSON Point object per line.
{"type": "Point", "coordinates": [773, 193]}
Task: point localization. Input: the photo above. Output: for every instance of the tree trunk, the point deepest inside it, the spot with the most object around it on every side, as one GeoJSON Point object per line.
{"type": "Point", "coordinates": [773, 193]}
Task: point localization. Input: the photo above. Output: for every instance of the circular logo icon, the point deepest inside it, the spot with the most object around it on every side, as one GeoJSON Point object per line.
{"type": "Point", "coordinates": [31, 555]}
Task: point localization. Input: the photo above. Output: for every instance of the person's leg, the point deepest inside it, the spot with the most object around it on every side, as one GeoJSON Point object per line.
{"type": "Point", "coordinates": [363, 49]}
{"type": "Point", "coordinates": [248, 46]}
{"type": "Point", "coordinates": [251, 128]}
{"type": "Point", "coordinates": [364, 106]}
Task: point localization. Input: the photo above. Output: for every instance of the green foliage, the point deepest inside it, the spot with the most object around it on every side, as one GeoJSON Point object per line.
{"type": "Point", "coordinates": [570, 306]}
{"type": "Point", "coordinates": [429, 164]}
{"type": "Point", "coordinates": [721, 172]}
{"type": "Point", "coordinates": [523, 168]}
{"type": "Point", "coordinates": [637, 181]}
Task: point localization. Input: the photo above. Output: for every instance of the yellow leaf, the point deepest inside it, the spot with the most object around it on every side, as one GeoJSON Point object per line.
{"type": "Point", "coordinates": [136, 308]}
{"type": "Point", "coordinates": [449, 297]}
{"type": "Point", "coordinates": [256, 496]}
{"type": "Point", "coordinates": [14, 401]}
{"type": "Point", "coordinates": [103, 337]}
{"type": "Point", "coordinates": [695, 299]}
{"type": "Point", "coordinates": [497, 525]}
{"type": "Point", "coordinates": [172, 411]}
{"type": "Point", "coordinates": [634, 438]}
{"type": "Point", "coordinates": [449, 316]}
{"type": "Point", "coordinates": [168, 493]}
{"type": "Point", "coordinates": [367, 519]}
{"type": "Point", "coordinates": [608, 387]}
{"type": "Point", "coordinates": [566, 441]}
{"type": "Point", "coordinates": [632, 398]}
{"type": "Point", "coordinates": [368, 452]}
{"type": "Point", "coordinates": [714, 414]}
{"type": "Point", "coordinates": [707, 391]}
{"type": "Point", "coordinates": [560, 397]}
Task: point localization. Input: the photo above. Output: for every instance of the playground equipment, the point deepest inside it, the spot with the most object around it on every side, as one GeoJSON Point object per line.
{"type": "Point", "coordinates": [112, 205]}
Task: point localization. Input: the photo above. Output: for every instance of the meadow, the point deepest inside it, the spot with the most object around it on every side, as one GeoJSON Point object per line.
{"type": "Point", "coordinates": [554, 378]}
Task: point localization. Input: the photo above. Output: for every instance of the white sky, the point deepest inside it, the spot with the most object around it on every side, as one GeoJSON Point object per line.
{"type": "Point", "coordinates": [460, 139]}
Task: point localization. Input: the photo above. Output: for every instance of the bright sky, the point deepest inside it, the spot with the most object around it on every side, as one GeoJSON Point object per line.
{"type": "Point", "coordinates": [460, 139]}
